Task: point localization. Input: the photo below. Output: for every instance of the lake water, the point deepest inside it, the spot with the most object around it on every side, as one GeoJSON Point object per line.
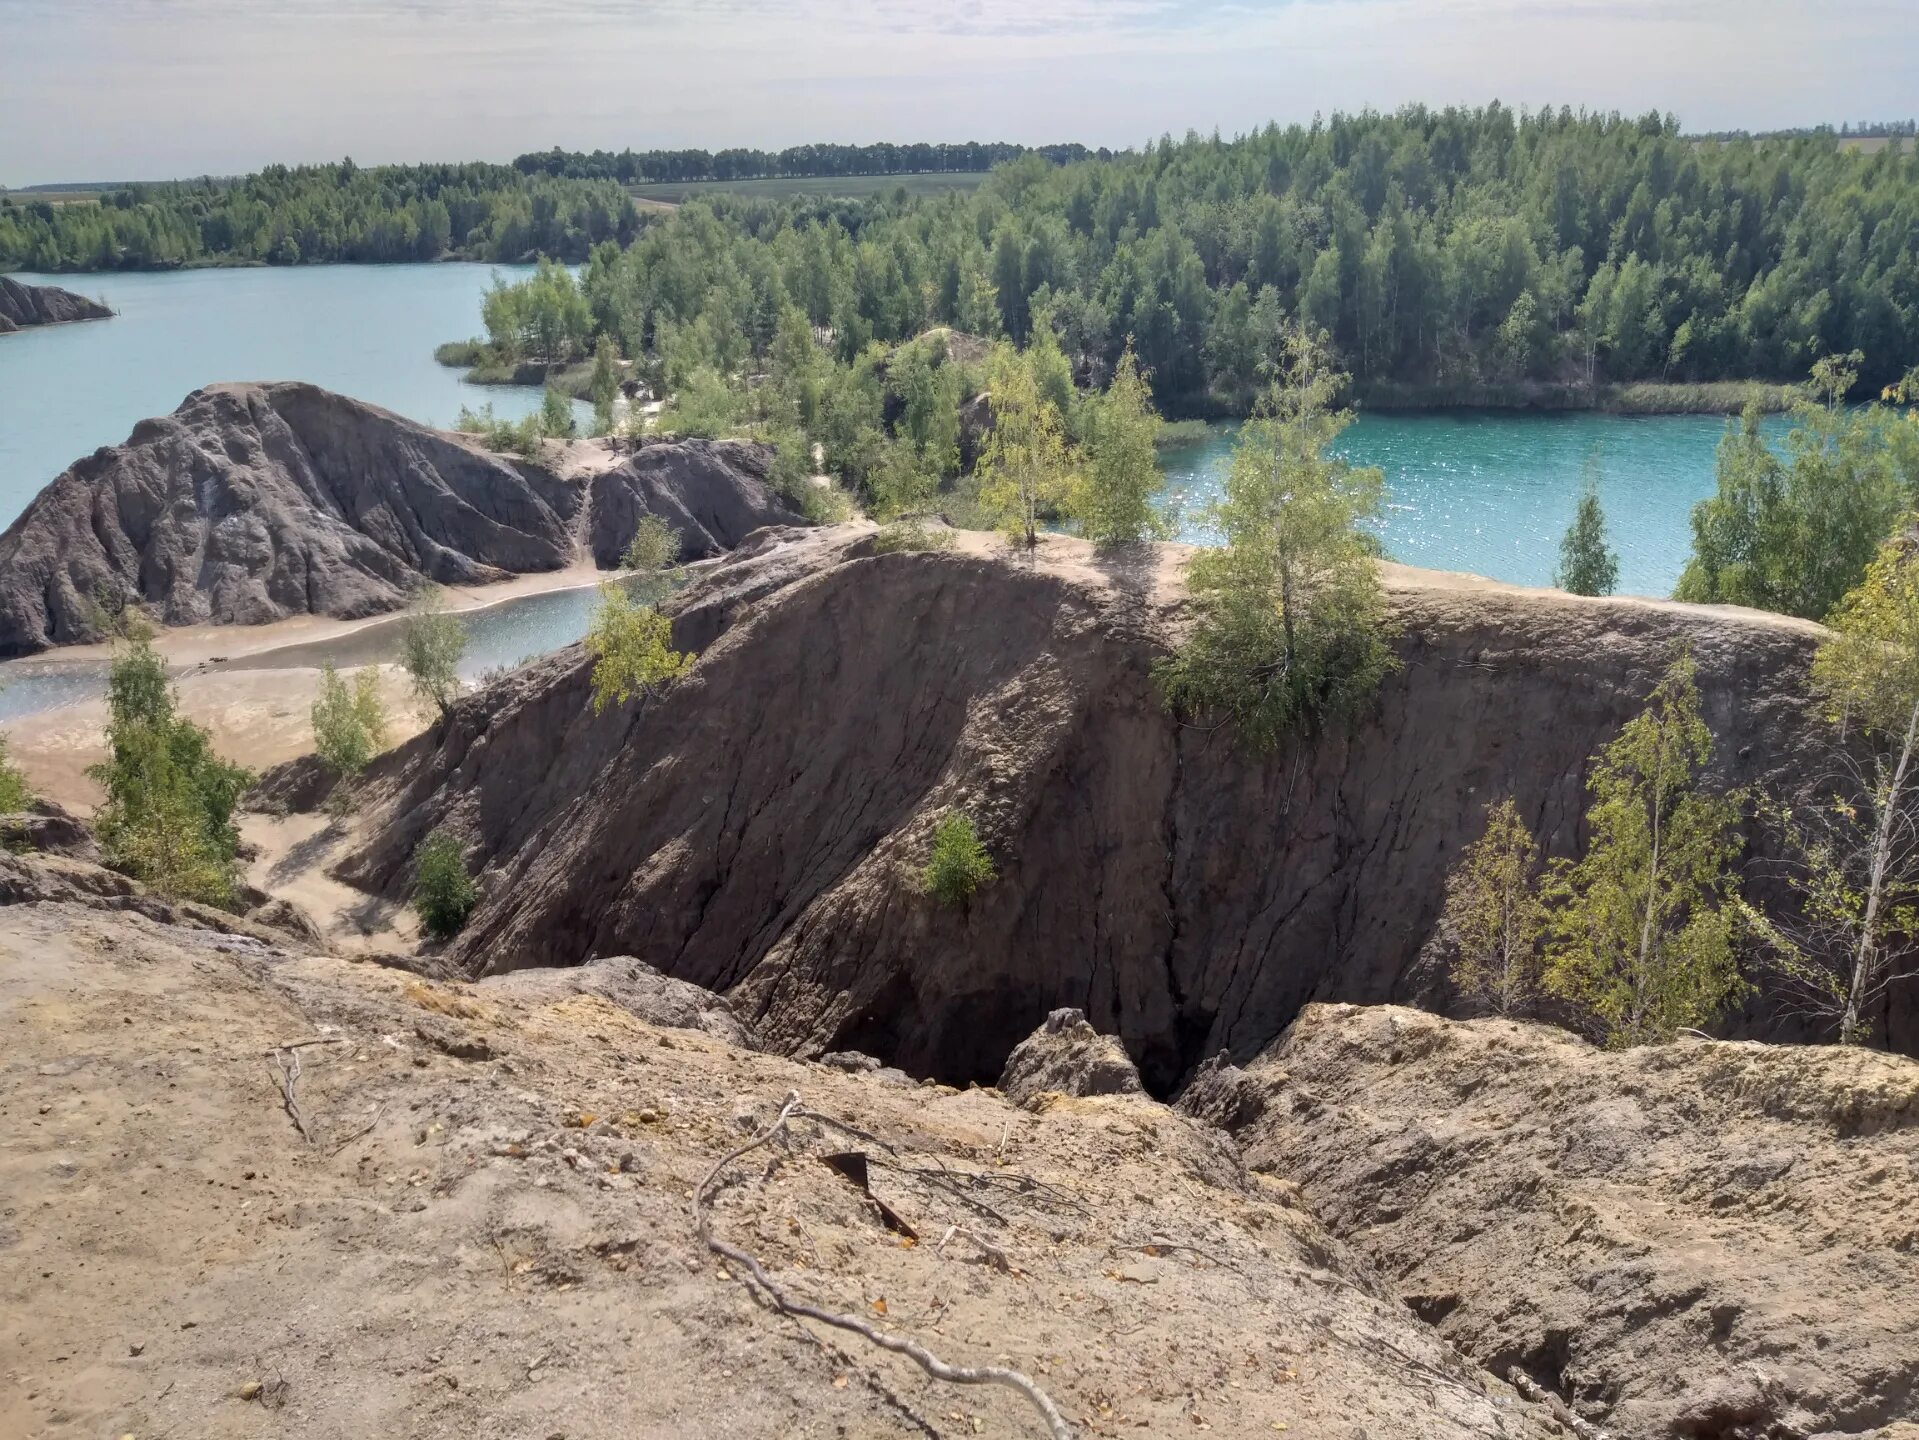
{"type": "Point", "coordinates": [1485, 492]}
{"type": "Point", "coordinates": [1492, 493]}
{"type": "Point", "coordinates": [364, 330]}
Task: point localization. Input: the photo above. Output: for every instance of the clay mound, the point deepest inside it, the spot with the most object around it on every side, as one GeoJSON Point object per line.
{"type": "Point", "coordinates": [1697, 1239]}
{"type": "Point", "coordinates": [24, 305]}
{"type": "Point", "coordinates": [251, 503]}
{"type": "Point", "coordinates": [479, 1225]}
{"type": "Point", "coordinates": [638, 989]}
{"type": "Point", "coordinates": [759, 829]}
{"type": "Point", "coordinates": [713, 492]}
{"type": "Point", "coordinates": [1067, 1056]}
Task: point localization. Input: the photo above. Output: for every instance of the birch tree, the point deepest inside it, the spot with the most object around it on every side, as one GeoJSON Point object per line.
{"type": "Point", "coordinates": [1027, 465]}
{"type": "Point", "coordinates": [1643, 925]}
{"type": "Point", "coordinates": [1856, 862]}
{"type": "Point", "coordinates": [1494, 919]}
{"type": "Point", "coordinates": [1290, 623]}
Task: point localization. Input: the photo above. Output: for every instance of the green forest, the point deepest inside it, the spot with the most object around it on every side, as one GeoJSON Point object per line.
{"type": "Point", "coordinates": [320, 214]}
{"type": "Point", "coordinates": [1447, 253]}
{"type": "Point", "coordinates": [639, 167]}
{"type": "Point", "coordinates": [1441, 250]}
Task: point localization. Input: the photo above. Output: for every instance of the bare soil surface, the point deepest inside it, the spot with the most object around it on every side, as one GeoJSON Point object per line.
{"type": "Point", "coordinates": [259, 718]}
{"type": "Point", "coordinates": [486, 1229]}
{"type": "Point", "coordinates": [1700, 1239]}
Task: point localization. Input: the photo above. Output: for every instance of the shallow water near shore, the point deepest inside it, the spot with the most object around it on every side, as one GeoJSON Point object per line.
{"type": "Point", "coordinates": [365, 330]}
{"type": "Point", "coordinates": [1485, 492]}
{"type": "Point", "coordinates": [1492, 493]}
{"type": "Point", "coordinates": [499, 636]}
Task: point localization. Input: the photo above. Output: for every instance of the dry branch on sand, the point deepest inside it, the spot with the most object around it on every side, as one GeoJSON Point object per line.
{"type": "Point", "coordinates": [787, 1305]}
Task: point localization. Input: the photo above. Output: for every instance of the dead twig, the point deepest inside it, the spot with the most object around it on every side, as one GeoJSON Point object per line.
{"type": "Point", "coordinates": [1540, 1395]}
{"type": "Point", "coordinates": [994, 1255]}
{"type": "Point", "coordinates": [1155, 1247]}
{"type": "Point", "coordinates": [361, 1133]}
{"type": "Point", "coordinates": [897, 1344]}
{"type": "Point", "coordinates": [287, 1070]}
{"type": "Point", "coordinates": [286, 1066]}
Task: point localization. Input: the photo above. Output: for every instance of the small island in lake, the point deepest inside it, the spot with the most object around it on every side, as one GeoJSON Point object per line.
{"type": "Point", "coordinates": [24, 305]}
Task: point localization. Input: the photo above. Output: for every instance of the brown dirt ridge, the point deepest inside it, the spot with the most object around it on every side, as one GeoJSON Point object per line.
{"type": "Point", "coordinates": [255, 502]}
{"type": "Point", "coordinates": [759, 829]}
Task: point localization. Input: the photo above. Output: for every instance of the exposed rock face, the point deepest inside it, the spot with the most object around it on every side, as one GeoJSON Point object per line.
{"type": "Point", "coordinates": [714, 492]}
{"type": "Point", "coordinates": [1697, 1239]}
{"type": "Point", "coordinates": [24, 305]}
{"type": "Point", "coordinates": [251, 503]}
{"type": "Point", "coordinates": [51, 830]}
{"type": "Point", "coordinates": [638, 989]}
{"type": "Point", "coordinates": [757, 829]}
{"type": "Point", "coordinates": [1067, 1056]}
{"type": "Point", "coordinates": [463, 1137]}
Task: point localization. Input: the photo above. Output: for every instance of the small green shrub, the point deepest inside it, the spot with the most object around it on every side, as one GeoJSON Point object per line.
{"type": "Point", "coordinates": [14, 794]}
{"type": "Point", "coordinates": [911, 533]}
{"type": "Point", "coordinates": [522, 439]}
{"type": "Point", "coordinates": [632, 648]}
{"type": "Point", "coordinates": [959, 864]}
{"type": "Point", "coordinates": [443, 893]}
{"type": "Point", "coordinates": [556, 415]}
{"type": "Point", "coordinates": [432, 643]}
{"type": "Point", "coordinates": [655, 547]}
{"type": "Point", "coordinates": [349, 729]}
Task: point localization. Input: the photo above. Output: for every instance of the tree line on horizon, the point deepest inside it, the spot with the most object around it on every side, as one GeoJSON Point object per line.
{"type": "Point", "coordinates": [321, 214]}
{"type": "Point", "coordinates": [641, 167]}
{"type": "Point", "coordinates": [1441, 250]}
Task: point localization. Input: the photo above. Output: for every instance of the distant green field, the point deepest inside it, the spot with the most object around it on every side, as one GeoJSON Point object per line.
{"type": "Point", "coordinates": [55, 197]}
{"type": "Point", "coordinates": [851, 187]}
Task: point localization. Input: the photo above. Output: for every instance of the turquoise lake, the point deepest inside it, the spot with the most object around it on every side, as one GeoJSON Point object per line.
{"type": "Point", "coordinates": [1481, 491]}
{"type": "Point", "coordinates": [1485, 492]}
{"type": "Point", "coordinates": [365, 330]}
{"type": "Point", "coordinates": [1492, 493]}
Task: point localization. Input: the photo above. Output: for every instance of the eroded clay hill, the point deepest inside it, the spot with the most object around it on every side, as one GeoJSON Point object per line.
{"type": "Point", "coordinates": [251, 503]}
{"type": "Point", "coordinates": [758, 830]}
{"type": "Point", "coordinates": [1702, 1239]}
{"type": "Point", "coordinates": [467, 1215]}
{"type": "Point", "coordinates": [25, 305]}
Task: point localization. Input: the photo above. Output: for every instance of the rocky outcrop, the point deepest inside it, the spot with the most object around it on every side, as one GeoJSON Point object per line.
{"type": "Point", "coordinates": [49, 829]}
{"type": "Point", "coordinates": [759, 828]}
{"type": "Point", "coordinates": [1067, 1056]}
{"type": "Point", "coordinates": [24, 305]}
{"type": "Point", "coordinates": [638, 989]}
{"type": "Point", "coordinates": [1697, 1239]}
{"type": "Point", "coordinates": [713, 492]}
{"type": "Point", "coordinates": [251, 503]}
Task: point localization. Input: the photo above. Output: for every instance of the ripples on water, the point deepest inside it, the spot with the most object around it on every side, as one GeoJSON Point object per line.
{"type": "Point", "coordinates": [1493, 493]}
{"type": "Point", "coordinates": [1484, 492]}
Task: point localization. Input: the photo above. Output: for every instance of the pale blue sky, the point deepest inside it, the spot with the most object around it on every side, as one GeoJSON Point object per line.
{"type": "Point", "coordinates": [112, 89]}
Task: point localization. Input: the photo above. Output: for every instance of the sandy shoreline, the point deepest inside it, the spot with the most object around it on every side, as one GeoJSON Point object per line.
{"type": "Point", "coordinates": [190, 645]}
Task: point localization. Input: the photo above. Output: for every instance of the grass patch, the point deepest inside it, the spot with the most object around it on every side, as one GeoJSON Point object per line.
{"type": "Point", "coordinates": [1177, 434]}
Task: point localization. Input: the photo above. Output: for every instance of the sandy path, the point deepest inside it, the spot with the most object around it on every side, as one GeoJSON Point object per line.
{"type": "Point", "coordinates": [258, 717]}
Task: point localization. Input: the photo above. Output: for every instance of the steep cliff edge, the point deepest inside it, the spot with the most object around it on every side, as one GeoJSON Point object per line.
{"type": "Point", "coordinates": [1692, 1240]}
{"type": "Point", "coordinates": [251, 503]}
{"type": "Point", "coordinates": [24, 305]}
{"type": "Point", "coordinates": [758, 830]}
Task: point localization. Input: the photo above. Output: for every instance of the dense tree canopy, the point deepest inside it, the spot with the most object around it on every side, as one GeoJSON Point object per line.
{"type": "Point", "coordinates": [633, 167]}
{"type": "Point", "coordinates": [321, 213]}
{"type": "Point", "coordinates": [1436, 248]}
